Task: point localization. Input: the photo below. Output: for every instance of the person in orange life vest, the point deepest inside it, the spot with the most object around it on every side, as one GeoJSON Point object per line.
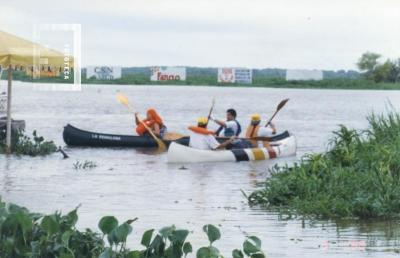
{"type": "Point", "coordinates": [201, 138]}
{"type": "Point", "coordinates": [254, 129]}
{"type": "Point", "coordinates": [153, 121]}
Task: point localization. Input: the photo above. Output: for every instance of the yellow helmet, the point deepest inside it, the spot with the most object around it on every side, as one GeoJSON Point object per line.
{"type": "Point", "coordinates": [202, 120]}
{"type": "Point", "coordinates": [255, 117]}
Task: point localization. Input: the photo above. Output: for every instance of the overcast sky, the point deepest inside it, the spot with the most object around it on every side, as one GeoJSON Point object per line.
{"type": "Point", "coordinates": [320, 34]}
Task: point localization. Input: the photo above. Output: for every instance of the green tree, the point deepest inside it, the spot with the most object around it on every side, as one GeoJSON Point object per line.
{"type": "Point", "coordinates": [384, 72]}
{"type": "Point", "coordinates": [367, 64]}
{"type": "Point", "coordinates": [368, 61]}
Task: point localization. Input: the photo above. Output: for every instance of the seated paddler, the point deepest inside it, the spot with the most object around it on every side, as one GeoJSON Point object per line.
{"type": "Point", "coordinates": [231, 127]}
{"type": "Point", "coordinates": [204, 139]}
{"type": "Point", "coordinates": [153, 121]}
{"type": "Point", "coordinates": [254, 129]}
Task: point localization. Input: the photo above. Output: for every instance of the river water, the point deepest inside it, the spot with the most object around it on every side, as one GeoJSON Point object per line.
{"type": "Point", "coordinates": [130, 183]}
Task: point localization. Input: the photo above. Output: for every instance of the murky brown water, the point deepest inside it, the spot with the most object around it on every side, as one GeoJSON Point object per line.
{"type": "Point", "coordinates": [130, 183]}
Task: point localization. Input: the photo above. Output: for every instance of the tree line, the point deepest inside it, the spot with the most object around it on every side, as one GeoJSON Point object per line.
{"type": "Point", "coordinates": [374, 70]}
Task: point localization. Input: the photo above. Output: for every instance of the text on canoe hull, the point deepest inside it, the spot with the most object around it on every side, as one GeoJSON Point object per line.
{"type": "Point", "coordinates": [106, 137]}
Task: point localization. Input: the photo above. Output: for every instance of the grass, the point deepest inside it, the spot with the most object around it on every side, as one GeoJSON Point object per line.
{"type": "Point", "coordinates": [358, 177]}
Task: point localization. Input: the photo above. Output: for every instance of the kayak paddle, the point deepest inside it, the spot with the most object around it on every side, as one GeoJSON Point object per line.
{"type": "Point", "coordinates": [211, 110]}
{"type": "Point", "coordinates": [279, 107]}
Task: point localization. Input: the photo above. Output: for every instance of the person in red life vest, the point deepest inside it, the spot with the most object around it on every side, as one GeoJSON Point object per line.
{"type": "Point", "coordinates": [204, 139]}
{"type": "Point", "coordinates": [153, 122]}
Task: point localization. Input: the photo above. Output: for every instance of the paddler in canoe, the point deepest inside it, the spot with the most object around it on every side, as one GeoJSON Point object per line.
{"type": "Point", "coordinates": [255, 130]}
{"type": "Point", "coordinates": [153, 121]}
{"type": "Point", "coordinates": [231, 127]}
{"type": "Point", "coordinates": [204, 139]}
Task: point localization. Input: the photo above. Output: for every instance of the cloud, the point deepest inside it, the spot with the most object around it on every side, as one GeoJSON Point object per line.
{"type": "Point", "coordinates": [257, 33]}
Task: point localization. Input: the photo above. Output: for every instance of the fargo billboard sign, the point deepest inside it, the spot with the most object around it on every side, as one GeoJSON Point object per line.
{"type": "Point", "coordinates": [103, 72]}
{"type": "Point", "coordinates": [235, 75]}
{"type": "Point", "coordinates": [168, 74]}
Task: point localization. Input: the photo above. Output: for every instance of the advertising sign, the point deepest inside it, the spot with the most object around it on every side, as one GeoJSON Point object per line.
{"type": "Point", "coordinates": [226, 75]}
{"type": "Point", "coordinates": [235, 75]}
{"type": "Point", "coordinates": [243, 76]}
{"type": "Point", "coordinates": [103, 72]}
{"type": "Point", "coordinates": [168, 74]}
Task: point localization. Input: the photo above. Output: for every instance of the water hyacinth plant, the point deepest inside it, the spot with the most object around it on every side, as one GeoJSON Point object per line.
{"type": "Point", "coordinates": [22, 144]}
{"type": "Point", "coordinates": [26, 234]}
{"type": "Point", "coordinates": [359, 176]}
{"type": "Point", "coordinates": [87, 164]}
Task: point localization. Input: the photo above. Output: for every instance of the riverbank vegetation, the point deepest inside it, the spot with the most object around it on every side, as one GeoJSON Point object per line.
{"type": "Point", "coordinates": [27, 234]}
{"type": "Point", "coordinates": [374, 75]}
{"type": "Point", "coordinates": [359, 176]}
{"type": "Point", "coordinates": [376, 71]}
{"type": "Point", "coordinates": [258, 81]}
{"type": "Point", "coordinates": [22, 144]}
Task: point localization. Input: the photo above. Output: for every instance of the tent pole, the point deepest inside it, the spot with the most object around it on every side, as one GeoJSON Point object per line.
{"type": "Point", "coordinates": [8, 137]}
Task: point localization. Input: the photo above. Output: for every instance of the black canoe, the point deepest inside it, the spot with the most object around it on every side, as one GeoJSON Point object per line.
{"type": "Point", "coordinates": [77, 137]}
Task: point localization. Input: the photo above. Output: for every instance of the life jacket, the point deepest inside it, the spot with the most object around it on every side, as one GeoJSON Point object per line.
{"type": "Point", "coordinates": [228, 132]}
{"type": "Point", "coordinates": [252, 131]}
{"type": "Point", "coordinates": [200, 130]}
{"type": "Point", "coordinates": [141, 129]}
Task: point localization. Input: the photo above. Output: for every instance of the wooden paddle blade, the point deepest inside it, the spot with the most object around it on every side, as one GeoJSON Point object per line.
{"type": "Point", "coordinates": [161, 145]}
{"type": "Point", "coordinates": [171, 136]}
{"type": "Point", "coordinates": [283, 103]}
{"type": "Point", "coordinates": [123, 99]}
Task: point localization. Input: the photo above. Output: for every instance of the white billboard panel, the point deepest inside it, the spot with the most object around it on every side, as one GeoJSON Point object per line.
{"type": "Point", "coordinates": [303, 75]}
{"type": "Point", "coordinates": [235, 75]}
{"type": "Point", "coordinates": [243, 76]}
{"type": "Point", "coordinates": [103, 72]}
{"type": "Point", "coordinates": [168, 74]}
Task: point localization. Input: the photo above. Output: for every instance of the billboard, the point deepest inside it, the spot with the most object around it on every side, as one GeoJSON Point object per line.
{"type": "Point", "coordinates": [303, 75]}
{"type": "Point", "coordinates": [226, 75]}
{"type": "Point", "coordinates": [235, 75]}
{"type": "Point", "coordinates": [168, 74]}
{"type": "Point", "coordinates": [103, 72]}
{"type": "Point", "coordinates": [243, 76]}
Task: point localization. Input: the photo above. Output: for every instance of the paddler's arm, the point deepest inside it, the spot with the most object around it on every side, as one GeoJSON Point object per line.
{"type": "Point", "coordinates": [272, 127]}
{"type": "Point", "coordinates": [156, 129]}
{"type": "Point", "coordinates": [219, 122]}
{"type": "Point", "coordinates": [226, 143]}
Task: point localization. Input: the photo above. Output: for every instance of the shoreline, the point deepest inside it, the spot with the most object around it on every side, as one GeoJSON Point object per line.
{"type": "Point", "coordinates": [301, 85]}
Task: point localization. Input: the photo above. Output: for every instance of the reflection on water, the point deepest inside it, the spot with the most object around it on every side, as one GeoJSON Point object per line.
{"type": "Point", "coordinates": [132, 183]}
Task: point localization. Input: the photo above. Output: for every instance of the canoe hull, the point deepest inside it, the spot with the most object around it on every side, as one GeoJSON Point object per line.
{"type": "Point", "coordinates": [178, 153]}
{"type": "Point", "coordinates": [76, 137]}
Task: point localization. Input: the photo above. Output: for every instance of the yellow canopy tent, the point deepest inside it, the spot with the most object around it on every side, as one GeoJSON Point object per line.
{"type": "Point", "coordinates": [18, 52]}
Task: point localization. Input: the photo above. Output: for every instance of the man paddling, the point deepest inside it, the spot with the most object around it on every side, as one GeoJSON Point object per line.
{"type": "Point", "coordinates": [255, 130]}
{"type": "Point", "coordinates": [204, 139]}
{"type": "Point", "coordinates": [231, 127]}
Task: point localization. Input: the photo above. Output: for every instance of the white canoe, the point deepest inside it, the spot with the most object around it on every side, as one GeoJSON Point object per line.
{"type": "Point", "coordinates": [178, 153]}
